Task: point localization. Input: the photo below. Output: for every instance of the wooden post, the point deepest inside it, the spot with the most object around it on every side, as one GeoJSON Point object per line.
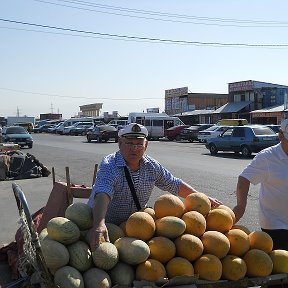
{"type": "Point", "coordinates": [53, 175]}
{"type": "Point", "coordinates": [70, 196]}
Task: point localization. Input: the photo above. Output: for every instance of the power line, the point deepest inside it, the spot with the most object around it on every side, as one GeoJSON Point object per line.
{"type": "Point", "coordinates": [148, 38]}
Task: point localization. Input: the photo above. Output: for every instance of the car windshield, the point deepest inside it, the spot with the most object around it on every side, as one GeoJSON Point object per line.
{"type": "Point", "coordinates": [16, 130]}
{"type": "Point", "coordinates": [212, 128]}
{"type": "Point", "coordinates": [107, 128]}
{"type": "Point", "coordinates": [263, 131]}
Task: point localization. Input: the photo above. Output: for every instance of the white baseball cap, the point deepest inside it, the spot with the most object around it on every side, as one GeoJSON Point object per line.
{"type": "Point", "coordinates": [133, 130]}
{"type": "Point", "coordinates": [284, 128]}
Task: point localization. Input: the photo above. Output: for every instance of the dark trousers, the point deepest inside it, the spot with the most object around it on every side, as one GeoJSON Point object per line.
{"type": "Point", "coordinates": [280, 241]}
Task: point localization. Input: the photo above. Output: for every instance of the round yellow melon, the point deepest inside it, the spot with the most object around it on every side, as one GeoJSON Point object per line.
{"type": "Point", "coordinates": [241, 227]}
{"type": "Point", "coordinates": [122, 274]}
{"type": "Point", "coordinates": [258, 262]}
{"type": "Point", "coordinates": [179, 266]}
{"type": "Point", "coordinates": [208, 267]}
{"type": "Point", "coordinates": [233, 268]}
{"type": "Point", "coordinates": [188, 246]}
{"type": "Point", "coordinates": [239, 242]}
{"type": "Point", "coordinates": [68, 277]}
{"type": "Point", "coordinates": [168, 205]}
{"type": "Point", "coordinates": [219, 220]}
{"type": "Point", "coordinates": [215, 243]}
{"type": "Point", "coordinates": [261, 240]}
{"type": "Point", "coordinates": [80, 256]}
{"type": "Point", "coordinates": [197, 202]}
{"type": "Point", "coordinates": [228, 209]}
{"type": "Point", "coordinates": [195, 223]}
{"type": "Point", "coordinates": [140, 225]}
{"type": "Point", "coordinates": [161, 249]}
{"type": "Point", "coordinates": [150, 270]}
{"type": "Point", "coordinates": [279, 258]}
{"type": "Point", "coordinates": [170, 227]}
{"type": "Point", "coordinates": [105, 256]}
{"type": "Point", "coordinates": [150, 211]}
{"type": "Point", "coordinates": [115, 232]}
{"type": "Point", "coordinates": [96, 277]}
{"type": "Point", "coordinates": [131, 250]}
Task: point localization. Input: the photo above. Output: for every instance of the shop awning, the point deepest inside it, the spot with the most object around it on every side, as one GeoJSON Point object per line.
{"type": "Point", "coordinates": [232, 107]}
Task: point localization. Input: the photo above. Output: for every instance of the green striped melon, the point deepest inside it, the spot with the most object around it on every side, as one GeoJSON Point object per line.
{"type": "Point", "coordinates": [105, 256]}
{"type": "Point", "coordinates": [81, 214]}
{"type": "Point", "coordinates": [170, 227]}
{"type": "Point", "coordinates": [68, 277]}
{"type": "Point", "coordinates": [96, 278]}
{"type": "Point", "coordinates": [122, 274]}
{"type": "Point", "coordinates": [114, 232]}
{"type": "Point", "coordinates": [63, 230]}
{"type": "Point", "coordinates": [80, 256]}
{"type": "Point", "coordinates": [43, 234]}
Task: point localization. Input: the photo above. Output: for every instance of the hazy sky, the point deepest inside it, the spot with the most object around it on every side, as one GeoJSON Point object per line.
{"type": "Point", "coordinates": [45, 69]}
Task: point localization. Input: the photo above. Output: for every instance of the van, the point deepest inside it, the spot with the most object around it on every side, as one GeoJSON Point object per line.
{"type": "Point", "coordinates": [27, 125]}
{"type": "Point", "coordinates": [232, 122]}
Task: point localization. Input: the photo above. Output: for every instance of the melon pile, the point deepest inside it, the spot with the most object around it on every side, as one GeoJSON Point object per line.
{"type": "Point", "coordinates": [174, 238]}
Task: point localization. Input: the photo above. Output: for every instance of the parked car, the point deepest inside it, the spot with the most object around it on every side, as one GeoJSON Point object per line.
{"type": "Point", "coordinates": [102, 133]}
{"type": "Point", "coordinates": [191, 133]}
{"type": "Point", "coordinates": [67, 129]}
{"type": "Point", "coordinates": [211, 132]}
{"type": "Point", "coordinates": [275, 128]}
{"type": "Point", "coordinates": [53, 128]}
{"type": "Point", "coordinates": [173, 133]}
{"type": "Point", "coordinates": [81, 129]}
{"type": "Point", "coordinates": [245, 139]}
{"type": "Point", "coordinates": [42, 128]}
{"type": "Point", "coordinates": [17, 135]}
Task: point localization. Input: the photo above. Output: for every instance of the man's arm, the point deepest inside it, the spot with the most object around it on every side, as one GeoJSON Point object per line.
{"type": "Point", "coordinates": [99, 229]}
{"type": "Point", "coordinates": [243, 186]}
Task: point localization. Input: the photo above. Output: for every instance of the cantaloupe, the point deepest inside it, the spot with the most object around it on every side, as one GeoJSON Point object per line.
{"type": "Point", "coordinates": [188, 246]}
{"type": "Point", "coordinates": [122, 274]}
{"type": "Point", "coordinates": [241, 227]}
{"type": "Point", "coordinates": [233, 268]}
{"type": "Point", "coordinates": [279, 258]}
{"type": "Point", "coordinates": [261, 240]}
{"type": "Point", "coordinates": [105, 256]}
{"type": "Point", "coordinates": [56, 254]}
{"type": "Point", "coordinates": [115, 232]}
{"type": "Point", "coordinates": [81, 214]}
{"type": "Point", "coordinates": [63, 230]}
{"type": "Point", "coordinates": [208, 267]}
{"type": "Point", "coordinates": [258, 262]}
{"type": "Point", "coordinates": [68, 277]}
{"type": "Point", "coordinates": [140, 225]}
{"type": "Point", "coordinates": [96, 277]}
{"type": "Point", "coordinates": [219, 220]}
{"type": "Point", "coordinates": [195, 223]}
{"type": "Point", "coordinates": [168, 205]}
{"type": "Point", "coordinates": [197, 202]}
{"type": "Point", "coordinates": [131, 250]}
{"type": "Point", "coordinates": [215, 243]}
{"type": "Point", "coordinates": [80, 256]}
{"type": "Point", "coordinates": [150, 211]}
{"type": "Point", "coordinates": [161, 248]}
{"type": "Point", "coordinates": [239, 242]}
{"type": "Point", "coordinates": [228, 209]}
{"type": "Point", "coordinates": [179, 266]}
{"type": "Point", "coordinates": [150, 270]}
{"type": "Point", "coordinates": [170, 227]}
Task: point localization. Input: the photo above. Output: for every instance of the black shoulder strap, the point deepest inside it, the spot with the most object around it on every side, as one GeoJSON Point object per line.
{"type": "Point", "coordinates": [132, 188]}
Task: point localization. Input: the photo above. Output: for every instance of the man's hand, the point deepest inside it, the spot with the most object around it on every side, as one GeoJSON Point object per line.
{"type": "Point", "coordinates": [214, 202]}
{"type": "Point", "coordinates": [97, 236]}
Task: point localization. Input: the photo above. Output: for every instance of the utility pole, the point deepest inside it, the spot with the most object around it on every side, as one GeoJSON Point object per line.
{"type": "Point", "coordinates": [51, 108]}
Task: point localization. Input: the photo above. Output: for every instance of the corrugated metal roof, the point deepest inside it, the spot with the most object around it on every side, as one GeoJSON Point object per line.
{"type": "Point", "coordinates": [232, 107]}
{"type": "Point", "coordinates": [279, 108]}
{"type": "Point", "coordinates": [195, 112]}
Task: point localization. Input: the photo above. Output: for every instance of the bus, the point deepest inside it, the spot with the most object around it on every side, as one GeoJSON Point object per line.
{"type": "Point", "coordinates": [156, 123]}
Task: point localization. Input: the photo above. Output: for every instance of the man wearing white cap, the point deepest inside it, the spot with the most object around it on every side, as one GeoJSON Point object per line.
{"type": "Point", "coordinates": [125, 181]}
{"type": "Point", "coordinates": [269, 168]}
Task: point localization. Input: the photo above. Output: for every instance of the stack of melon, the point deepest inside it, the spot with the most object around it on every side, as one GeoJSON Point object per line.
{"type": "Point", "coordinates": [174, 238]}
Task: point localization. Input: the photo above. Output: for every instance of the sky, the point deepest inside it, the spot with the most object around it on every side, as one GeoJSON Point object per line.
{"type": "Point", "coordinates": [56, 55]}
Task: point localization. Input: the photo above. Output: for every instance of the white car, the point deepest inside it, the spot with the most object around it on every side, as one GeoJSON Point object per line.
{"type": "Point", "coordinates": [213, 131]}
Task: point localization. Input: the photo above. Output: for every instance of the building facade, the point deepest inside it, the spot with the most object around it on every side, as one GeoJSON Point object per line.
{"type": "Point", "coordinates": [90, 110]}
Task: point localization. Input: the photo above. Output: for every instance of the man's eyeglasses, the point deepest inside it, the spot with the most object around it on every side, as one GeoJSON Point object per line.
{"type": "Point", "coordinates": [137, 146]}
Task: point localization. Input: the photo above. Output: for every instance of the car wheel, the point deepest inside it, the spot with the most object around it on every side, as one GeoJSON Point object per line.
{"type": "Point", "coordinates": [88, 139]}
{"type": "Point", "coordinates": [213, 149]}
{"type": "Point", "coordinates": [178, 138]}
{"type": "Point", "coordinates": [191, 140]}
{"type": "Point", "coordinates": [202, 141]}
{"type": "Point", "coordinates": [83, 133]}
{"type": "Point", "coordinates": [99, 140]}
{"type": "Point", "coordinates": [245, 151]}
{"type": "Point", "coordinates": [30, 146]}
{"type": "Point", "coordinates": [170, 138]}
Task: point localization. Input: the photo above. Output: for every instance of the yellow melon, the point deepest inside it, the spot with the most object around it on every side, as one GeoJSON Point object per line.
{"type": "Point", "coordinates": [189, 246]}
{"type": "Point", "coordinates": [115, 232]}
{"type": "Point", "coordinates": [197, 202]}
{"type": "Point", "coordinates": [219, 220]}
{"type": "Point", "coordinates": [280, 260]}
{"type": "Point", "coordinates": [161, 249]}
{"type": "Point", "coordinates": [195, 223]}
{"type": "Point", "coordinates": [241, 227]}
{"type": "Point", "coordinates": [258, 262]}
{"type": "Point", "coordinates": [150, 270]}
{"type": "Point", "coordinates": [215, 243]}
{"type": "Point", "coordinates": [239, 242]}
{"type": "Point", "coordinates": [261, 240]}
{"type": "Point", "coordinates": [150, 211]}
{"type": "Point", "coordinates": [179, 266]}
{"type": "Point", "coordinates": [228, 209]}
{"type": "Point", "coordinates": [140, 225]}
{"type": "Point", "coordinates": [168, 205]}
{"type": "Point", "coordinates": [208, 267]}
{"type": "Point", "coordinates": [233, 268]}
{"type": "Point", "coordinates": [170, 227]}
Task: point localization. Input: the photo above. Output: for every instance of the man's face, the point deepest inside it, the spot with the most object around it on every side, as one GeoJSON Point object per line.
{"type": "Point", "coordinates": [132, 149]}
